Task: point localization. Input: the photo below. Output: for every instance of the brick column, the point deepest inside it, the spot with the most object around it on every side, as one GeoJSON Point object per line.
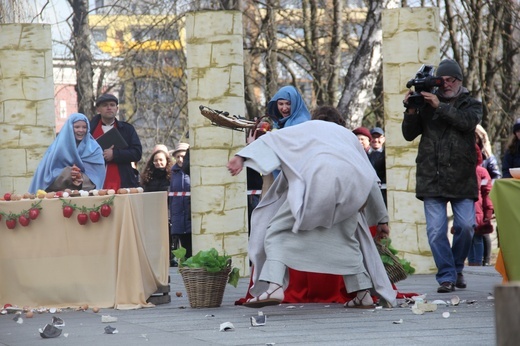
{"type": "Point", "coordinates": [26, 102]}
{"type": "Point", "coordinates": [214, 46]}
{"type": "Point", "coordinates": [410, 38]}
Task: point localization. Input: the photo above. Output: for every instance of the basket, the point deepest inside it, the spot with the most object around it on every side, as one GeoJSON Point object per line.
{"type": "Point", "coordinates": [394, 271]}
{"type": "Point", "coordinates": [204, 289]}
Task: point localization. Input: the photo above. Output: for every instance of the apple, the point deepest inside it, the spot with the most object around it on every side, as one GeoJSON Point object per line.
{"type": "Point", "coordinates": [24, 220]}
{"type": "Point", "coordinates": [33, 213]}
{"type": "Point", "coordinates": [105, 210]}
{"type": "Point", "coordinates": [94, 216]}
{"type": "Point", "coordinates": [7, 196]}
{"type": "Point", "coordinates": [82, 218]}
{"type": "Point", "coordinates": [10, 223]}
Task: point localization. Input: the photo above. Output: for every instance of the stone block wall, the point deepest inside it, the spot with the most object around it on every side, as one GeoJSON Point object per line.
{"type": "Point", "coordinates": [411, 38]}
{"type": "Point", "coordinates": [214, 47]}
{"type": "Point", "coordinates": [27, 124]}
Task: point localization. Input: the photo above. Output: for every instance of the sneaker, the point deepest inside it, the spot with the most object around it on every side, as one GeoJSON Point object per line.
{"type": "Point", "coordinates": [446, 287]}
{"type": "Point", "coordinates": [461, 283]}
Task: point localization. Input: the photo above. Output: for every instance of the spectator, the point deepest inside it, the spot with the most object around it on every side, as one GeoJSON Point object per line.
{"type": "Point", "coordinates": [119, 170]}
{"type": "Point", "coordinates": [157, 173]}
{"type": "Point", "coordinates": [73, 161]}
{"type": "Point", "coordinates": [512, 155]}
{"type": "Point", "coordinates": [491, 165]}
{"type": "Point", "coordinates": [376, 155]}
{"type": "Point", "coordinates": [483, 213]}
{"type": "Point", "coordinates": [180, 206]}
{"type": "Point", "coordinates": [364, 137]}
{"type": "Point", "coordinates": [446, 162]}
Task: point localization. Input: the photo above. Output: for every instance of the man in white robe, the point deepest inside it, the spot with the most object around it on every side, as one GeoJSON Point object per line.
{"type": "Point", "coordinates": [312, 219]}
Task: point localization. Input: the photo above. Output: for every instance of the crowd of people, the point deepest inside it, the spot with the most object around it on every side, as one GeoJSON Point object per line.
{"type": "Point", "coordinates": [305, 230]}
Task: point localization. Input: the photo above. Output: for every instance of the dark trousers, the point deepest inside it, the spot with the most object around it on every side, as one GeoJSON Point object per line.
{"type": "Point", "coordinates": [184, 240]}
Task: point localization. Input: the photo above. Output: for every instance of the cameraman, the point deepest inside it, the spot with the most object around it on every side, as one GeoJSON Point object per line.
{"type": "Point", "coordinates": [446, 162]}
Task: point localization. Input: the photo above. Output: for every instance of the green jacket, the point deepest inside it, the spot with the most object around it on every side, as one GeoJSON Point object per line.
{"type": "Point", "coordinates": [446, 160]}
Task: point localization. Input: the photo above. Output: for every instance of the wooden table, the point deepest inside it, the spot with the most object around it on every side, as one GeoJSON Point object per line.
{"type": "Point", "coordinates": [117, 262]}
{"type": "Point", "coordinates": [505, 195]}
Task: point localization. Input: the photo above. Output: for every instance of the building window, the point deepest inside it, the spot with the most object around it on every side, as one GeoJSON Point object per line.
{"type": "Point", "coordinates": [63, 109]}
{"type": "Point", "coordinates": [99, 34]}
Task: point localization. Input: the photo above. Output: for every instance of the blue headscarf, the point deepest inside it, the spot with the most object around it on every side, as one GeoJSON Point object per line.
{"type": "Point", "coordinates": [299, 112]}
{"type": "Point", "coordinates": [64, 152]}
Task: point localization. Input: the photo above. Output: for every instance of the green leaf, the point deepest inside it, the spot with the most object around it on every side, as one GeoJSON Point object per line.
{"type": "Point", "coordinates": [179, 253]}
{"type": "Point", "coordinates": [233, 277]}
{"type": "Point", "coordinates": [209, 260]}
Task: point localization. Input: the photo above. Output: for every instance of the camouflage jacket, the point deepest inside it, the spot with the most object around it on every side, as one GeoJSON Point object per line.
{"type": "Point", "coordinates": [446, 159]}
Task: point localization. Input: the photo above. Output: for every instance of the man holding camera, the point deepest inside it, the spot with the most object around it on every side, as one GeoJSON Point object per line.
{"type": "Point", "coordinates": [446, 160]}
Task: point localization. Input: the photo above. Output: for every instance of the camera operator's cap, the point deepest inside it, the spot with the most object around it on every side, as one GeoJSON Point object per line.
{"type": "Point", "coordinates": [377, 130]}
{"type": "Point", "coordinates": [362, 131]}
{"type": "Point", "coordinates": [516, 126]}
{"type": "Point", "coordinates": [449, 67]}
{"type": "Point", "coordinates": [106, 98]}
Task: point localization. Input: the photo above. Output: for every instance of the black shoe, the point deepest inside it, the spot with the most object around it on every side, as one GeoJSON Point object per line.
{"type": "Point", "coordinates": [446, 287]}
{"type": "Point", "coordinates": [461, 283]}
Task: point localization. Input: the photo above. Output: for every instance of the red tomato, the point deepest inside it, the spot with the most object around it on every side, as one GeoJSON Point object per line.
{"type": "Point", "coordinates": [67, 211]}
{"type": "Point", "coordinates": [11, 223]}
{"type": "Point", "coordinates": [33, 213]}
{"type": "Point", "coordinates": [24, 220]}
{"type": "Point", "coordinates": [94, 216]}
{"type": "Point", "coordinates": [82, 218]}
{"type": "Point", "coordinates": [105, 210]}
{"type": "Point", "coordinates": [7, 196]}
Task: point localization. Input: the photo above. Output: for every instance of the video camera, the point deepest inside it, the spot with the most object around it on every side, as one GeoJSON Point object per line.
{"type": "Point", "coordinates": [424, 81]}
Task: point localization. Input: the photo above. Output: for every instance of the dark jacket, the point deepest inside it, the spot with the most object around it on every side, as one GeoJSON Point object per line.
{"type": "Point", "coordinates": [491, 165]}
{"type": "Point", "coordinates": [180, 206]}
{"type": "Point", "coordinates": [377, 159]}
{"type": "Point", "coordinates": [125, 157]}
{"type": "Point", "coordinates": [446, 158]}
{"type": "Point", "coordinates": [510, 160]}
{"type": "Point", "coordinates": [159, 181]}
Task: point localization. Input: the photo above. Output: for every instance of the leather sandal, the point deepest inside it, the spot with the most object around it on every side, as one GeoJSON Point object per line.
{"type": "Point", "coordinates": [263, 300]}
{"type": "Point", "coordinates": [357, 303]}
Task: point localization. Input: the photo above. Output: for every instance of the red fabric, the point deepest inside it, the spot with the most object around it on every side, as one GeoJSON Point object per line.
{"type": "Point", "coordinates": [112, 178]}
{"type": "Point", "coordinates": [306, 287]}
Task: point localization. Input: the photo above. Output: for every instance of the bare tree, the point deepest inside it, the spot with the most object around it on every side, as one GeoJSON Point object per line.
{"type": "Point", "coordinates": [364, 68]}
{"type": "Point", "coordinates": [82, 57]}
{"type": "Point", "coordinates": [16, 11]}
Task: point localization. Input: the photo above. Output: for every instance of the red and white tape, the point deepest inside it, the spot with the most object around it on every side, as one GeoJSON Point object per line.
{"type": "Point", "coordinates": [179, 194]}
{"type": "Point", "coordinates": [187, 193]}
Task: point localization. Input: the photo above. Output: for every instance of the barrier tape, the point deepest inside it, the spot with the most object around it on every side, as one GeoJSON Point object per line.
{"type": "Point", "coordinates": [187, 193]}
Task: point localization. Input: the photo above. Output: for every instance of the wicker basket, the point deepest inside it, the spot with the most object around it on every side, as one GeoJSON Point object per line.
{"type": "Point", "coordinates": [204, 289]}
{"type": "Point", "coordinates": [394, 271]}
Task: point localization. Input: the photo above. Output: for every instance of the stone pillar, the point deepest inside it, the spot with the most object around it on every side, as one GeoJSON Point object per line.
{"type": "Point", "coordinates": [410, 38]}
{"type": "Point", "coordinates": [27, 121]}
{"type": "Point", "coordinates": [215, 72]}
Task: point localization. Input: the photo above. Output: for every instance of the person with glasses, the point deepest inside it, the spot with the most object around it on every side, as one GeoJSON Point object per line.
{"type": "Point", "coordinates": [446, 162]}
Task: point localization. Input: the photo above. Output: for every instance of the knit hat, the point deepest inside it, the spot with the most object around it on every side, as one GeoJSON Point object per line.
{"type": "Point", "coordinates": [363, 131]}
{"type": "Point", "coordinates": [106, 98]}
{"type": "Point", "coordinates": [180, 147]}
{"type": "Point", "coordinates": [516, 126]}
{"type": "Point", "coordinates": [449, 67]}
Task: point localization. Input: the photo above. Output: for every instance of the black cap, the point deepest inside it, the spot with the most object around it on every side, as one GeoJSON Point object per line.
{"type": "Point", "coordinates": [105, 98]}
{"type": "Point", "coordinates": [449, 67]}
